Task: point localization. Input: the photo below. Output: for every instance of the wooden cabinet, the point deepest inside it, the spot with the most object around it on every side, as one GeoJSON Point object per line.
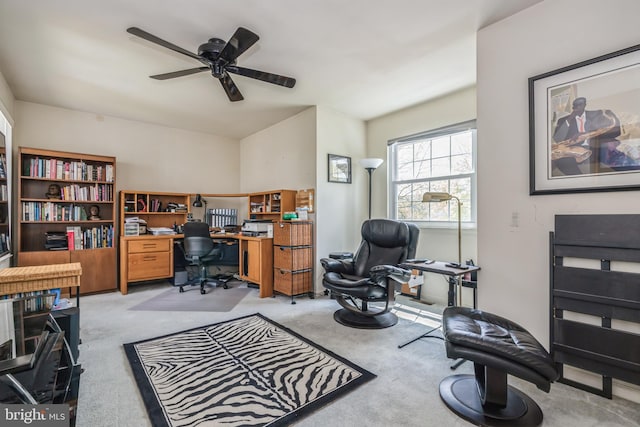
{"type": "Point", "coordinates": [256, 262]}
{"type": "Point", "coordinates": [293, 258]}
{"type": "Point", "coordinates": [271, 204]}
{"type": "Point", "coordinates": [66, 213]}
{"type": "Point", "coordinates": [144, 256]}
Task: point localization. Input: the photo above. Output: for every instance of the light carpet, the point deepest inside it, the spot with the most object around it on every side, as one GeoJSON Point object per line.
{"type": "Point", "coordinates": [248, 371]}
{"type": "Point", "coordinates": [216, 299]}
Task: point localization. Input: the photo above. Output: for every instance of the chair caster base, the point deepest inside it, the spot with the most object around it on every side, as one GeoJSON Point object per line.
{"type": "Point", "coordinates": [460, 394]}
{"type": "Point", "coordinates": [348, 318]}
{"type": "Point", "coordinates": [181, 289]}
{"type": "Point", "coordinates": [203, 291]}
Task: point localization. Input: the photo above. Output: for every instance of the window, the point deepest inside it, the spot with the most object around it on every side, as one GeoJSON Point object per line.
{"type": "Point", "coordinates": [442, 160]}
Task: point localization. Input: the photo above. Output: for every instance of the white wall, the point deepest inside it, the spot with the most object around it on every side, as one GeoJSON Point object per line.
{"type": "Point", "coordinates": [292, 154]}
{"type": "Point", "coordinates": [514, 280]}
{"type": "Point", "coordinates": [6, 99]}
{"type": "Point", "coordinates": [149, 157]}
{"type": "Point", "coordinates": [341, 207]}
{"type": "Point", "coordinates": [280, 157]}
{"type": "Point", "coordinates": [434, 243]}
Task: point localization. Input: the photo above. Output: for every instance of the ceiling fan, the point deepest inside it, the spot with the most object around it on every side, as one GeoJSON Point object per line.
{"type": "Point", "coordinates": [219, 57]}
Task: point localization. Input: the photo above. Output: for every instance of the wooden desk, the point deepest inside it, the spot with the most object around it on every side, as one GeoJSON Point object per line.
{"type": "Point", "coordinates": [150, 257]}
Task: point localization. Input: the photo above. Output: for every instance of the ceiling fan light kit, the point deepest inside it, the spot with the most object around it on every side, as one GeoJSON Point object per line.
{"type": "Point", "coordinates": [219, 57]}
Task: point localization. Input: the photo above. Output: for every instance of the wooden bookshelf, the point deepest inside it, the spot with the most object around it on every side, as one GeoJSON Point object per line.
{"type": "Point", "coordinates": [56, 193]}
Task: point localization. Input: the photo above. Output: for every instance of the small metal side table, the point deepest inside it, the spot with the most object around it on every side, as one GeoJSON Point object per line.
{"type": "Point", "coordinates": [455, 285]}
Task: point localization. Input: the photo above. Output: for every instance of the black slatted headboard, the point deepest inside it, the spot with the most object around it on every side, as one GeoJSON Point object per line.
{"type": "Point", "coordinates": [604, 293]}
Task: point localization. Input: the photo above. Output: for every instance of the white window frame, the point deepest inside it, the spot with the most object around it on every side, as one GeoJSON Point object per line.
{"type": "Point", "coordinates": [432, 134]}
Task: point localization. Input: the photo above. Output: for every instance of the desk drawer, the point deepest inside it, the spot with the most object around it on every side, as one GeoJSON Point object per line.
{"type": "Point", "coordinates": [147, 266]}
{"type": "Point", "coordinates": [151, 245]}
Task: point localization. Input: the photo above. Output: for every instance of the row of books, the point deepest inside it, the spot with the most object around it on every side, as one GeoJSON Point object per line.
{"type": "Point", "coordinates": [75, 238]}
{"type": "Point", "coordinates": [52, 168]}
{"type": "Point", "coordinates": [3, 166]}
{"type": "Point", "coordinates": [49, 211]}
{"type": "Point", "coordinates": [97, 192]}
{"type": "Point", "coordinates": [36, 301]}
{"type": "Point", "coordinates": [5, 242]}
{"type": "Point", "coordinates": [92, 238]}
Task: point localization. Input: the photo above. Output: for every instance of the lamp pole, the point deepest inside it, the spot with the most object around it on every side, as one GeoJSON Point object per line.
{"type": "Point", "coordinates": [459, 230]}
{"type": "Point", "coordinates": [370, 171]}
{"type": "Point", "coordinates": [459, 284]}
{"type": "Point", "coordinates": [370, 165]}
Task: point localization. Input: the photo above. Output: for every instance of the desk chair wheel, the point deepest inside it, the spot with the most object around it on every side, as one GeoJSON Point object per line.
{"type": "Point", "coordinates": [181, 289]}
{"type": "Point", "coordinates": [203, 290]}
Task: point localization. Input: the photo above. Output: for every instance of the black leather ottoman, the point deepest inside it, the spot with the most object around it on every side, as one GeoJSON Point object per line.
{"type": "Point", "coordinates": [497, 347]}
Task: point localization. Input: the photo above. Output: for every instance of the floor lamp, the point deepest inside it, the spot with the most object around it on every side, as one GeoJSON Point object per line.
{"type": "Point", "coordinates": [432, 197]}
{"type": "Point", "coordinates": [370, 165]}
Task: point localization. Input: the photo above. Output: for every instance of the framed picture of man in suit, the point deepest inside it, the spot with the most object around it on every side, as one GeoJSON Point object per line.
{"type": "Point", "coordinates": [584, 126]}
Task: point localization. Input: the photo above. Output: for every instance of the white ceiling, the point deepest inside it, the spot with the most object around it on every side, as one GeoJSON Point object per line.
{"type": "Point", "coordinates": [364, 58]}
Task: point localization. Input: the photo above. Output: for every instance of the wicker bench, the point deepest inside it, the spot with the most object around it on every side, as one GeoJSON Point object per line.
{"type": "Point", "coordinates": [16, 280]}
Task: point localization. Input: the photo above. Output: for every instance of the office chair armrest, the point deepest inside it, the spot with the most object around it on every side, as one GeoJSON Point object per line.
{"type": "Point", "coordinates": [342, 266]}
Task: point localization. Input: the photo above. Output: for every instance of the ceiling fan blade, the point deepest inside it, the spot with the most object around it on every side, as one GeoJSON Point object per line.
{"type": "Point", "coordinates": [261, 75]}
{"type": "Point", "coordinates": [181, 73]}
{"type": "Point", "coordinates": [241, 40]}
{"type": "Point", "coordinates": [157, 40]}
{"type": "Point", "coordinates": [230, 88]}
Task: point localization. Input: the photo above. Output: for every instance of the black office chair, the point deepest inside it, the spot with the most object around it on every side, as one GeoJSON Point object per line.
{"type": "Point", "coordinates": [365, 285]}
{"type": "Point", "coordinates": [38, 383]}
{"type": "Point", "coordinates": [200, 250]}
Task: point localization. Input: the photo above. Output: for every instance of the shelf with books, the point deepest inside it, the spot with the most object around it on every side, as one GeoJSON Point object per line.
{"type": "Point", "coordinates": [61, 192]}
{"type": "Point", "coordinates": [154, 209]}
{"type": "Point", "coordinates": [271, 205]}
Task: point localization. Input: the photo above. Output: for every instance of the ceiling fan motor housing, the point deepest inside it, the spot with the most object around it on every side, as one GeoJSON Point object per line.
{"type": "Point", "coordinates": [211, 50]}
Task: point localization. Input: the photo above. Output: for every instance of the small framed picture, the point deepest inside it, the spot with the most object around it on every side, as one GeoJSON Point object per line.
{"type": "Point", "coordinates": [339, 169]}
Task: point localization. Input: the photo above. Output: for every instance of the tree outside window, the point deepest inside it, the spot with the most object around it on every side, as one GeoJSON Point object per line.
{"type": "Point", "coordinates": [442, 160]}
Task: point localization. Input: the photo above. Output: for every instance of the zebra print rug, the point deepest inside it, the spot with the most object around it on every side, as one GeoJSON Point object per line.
{"type": "Point", "coordinates": [248, 371]}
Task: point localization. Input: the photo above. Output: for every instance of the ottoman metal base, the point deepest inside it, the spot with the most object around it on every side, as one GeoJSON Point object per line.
{"type": "Point", "coordinates": [461, 394]}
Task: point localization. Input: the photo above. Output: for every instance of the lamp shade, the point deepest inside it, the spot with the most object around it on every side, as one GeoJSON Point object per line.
{"type": "Point", "coordinates": [371, 163]}
{"type": "Point", "coordinates": [436, 197]}
{"type": "Point", "coordinates": [197, 203]}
